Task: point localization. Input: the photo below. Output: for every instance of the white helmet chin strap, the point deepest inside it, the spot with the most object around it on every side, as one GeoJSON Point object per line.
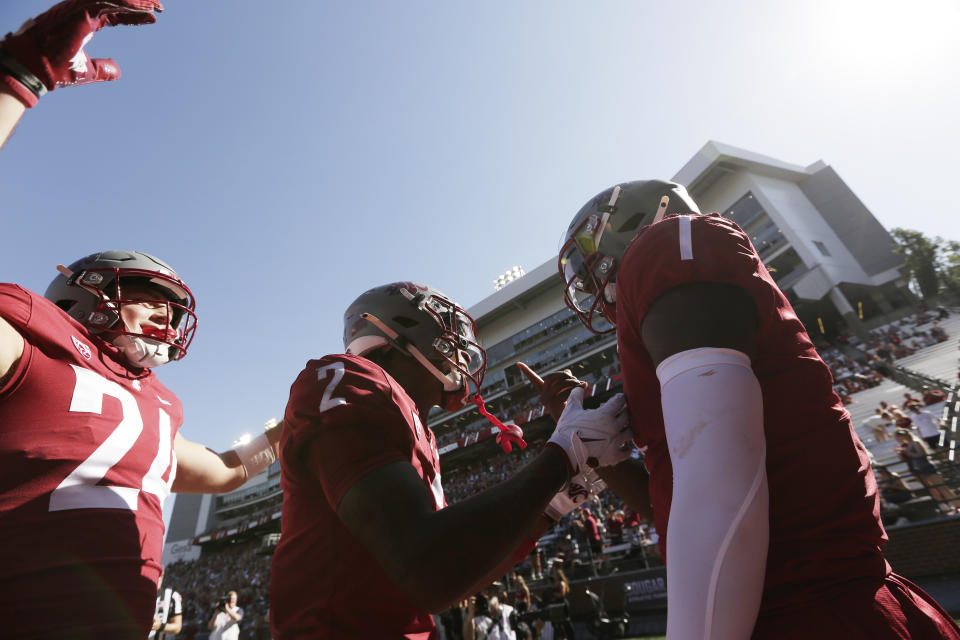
{"type": "Point", "coordinates": [452, 381]}
{"type": "Point", "coordinates": [143, 352]}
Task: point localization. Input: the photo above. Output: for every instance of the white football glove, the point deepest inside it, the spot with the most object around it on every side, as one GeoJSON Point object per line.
{"type": "Point", "coordinates": [580, 489]}
{"type": "Point", "coordinates": [593, 437]}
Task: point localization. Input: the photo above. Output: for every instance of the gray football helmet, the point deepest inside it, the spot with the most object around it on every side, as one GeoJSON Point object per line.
{"type": "Point", "coordinates": [599, 235]}
{"type": "Point", "coordinates": [91, 290]}
{"type": "Point", "coordinates": [421, 322]}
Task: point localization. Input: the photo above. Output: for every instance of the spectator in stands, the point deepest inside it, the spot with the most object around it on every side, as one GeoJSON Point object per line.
{"type": "Point", "coordinates": [592, 532]}
{"type": "Point", "coordinates": [901, 419]}
{"type": "Point", "coordinates": [892, 487]}
{"type": "Point", "coordinates": [614, 525]}
{"type": "Point", "coordinates": [225, 622]}
{"type": "Point", "coordinates": [168, 615]}
{"type": "Point", "coordinates": [568, 551]}
{"type": "Point", "coordinates": [453, 620]}
{"type": "Point", "coordinates": [536, 564]}
{"type": "Point", "coordinates": [927, 424]}
{"type": "Point", "coordinates": [933, 396]}
{"type": "Point", "coordinates": [879, 424]}
{"type": "Point", "coordinates": [520, 597]}
{"type": "Point", "coordinates": [938, 333]}
{"type": "Point", "coordinates": [558, 594]}
{"type": "Point", "coordinates": [910, 401]}
{"type": "Point", "coordinates": [914, 451]}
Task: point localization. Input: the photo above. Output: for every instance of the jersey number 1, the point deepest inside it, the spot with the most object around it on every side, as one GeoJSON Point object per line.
{"type": "Point", "coordinates": [80, 489]}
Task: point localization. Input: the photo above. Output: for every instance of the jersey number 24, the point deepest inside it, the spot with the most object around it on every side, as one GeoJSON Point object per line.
{"type": "Point", "coordinates": [79, 490]}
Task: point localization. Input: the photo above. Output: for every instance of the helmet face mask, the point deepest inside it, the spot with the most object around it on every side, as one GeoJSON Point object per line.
{"type": "Point", "coordinates": [99, 290]}
{"type": "Point", "coordinates": [587, 273]}
{"type": "Point", "coordinates": [420, 322]}
{"type": "Point", "coordinates": [598, 237]}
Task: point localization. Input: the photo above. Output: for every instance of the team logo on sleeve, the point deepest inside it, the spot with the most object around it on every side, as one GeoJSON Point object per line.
{"type": "Point", "coordinates": [82, 348]}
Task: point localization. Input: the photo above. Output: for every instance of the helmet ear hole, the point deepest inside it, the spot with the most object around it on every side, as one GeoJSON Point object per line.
{"type": "Point", "coordinates": [405, 322]}
{"type": "Point", "coordinates": [633, 222]}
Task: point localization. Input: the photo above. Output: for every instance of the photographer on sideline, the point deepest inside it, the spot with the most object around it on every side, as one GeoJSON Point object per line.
{"type": "Point", "coordinates": [488, 619]}
{"type": "Point", "coordinates": [225, 622]}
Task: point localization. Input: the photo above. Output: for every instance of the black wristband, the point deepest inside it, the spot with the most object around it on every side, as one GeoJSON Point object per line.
{"type": "Point", "coordinates": [12, 67]}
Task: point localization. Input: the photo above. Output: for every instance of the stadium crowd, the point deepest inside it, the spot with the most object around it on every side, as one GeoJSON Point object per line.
{"type": "Point", "coordinates": [206, 580]}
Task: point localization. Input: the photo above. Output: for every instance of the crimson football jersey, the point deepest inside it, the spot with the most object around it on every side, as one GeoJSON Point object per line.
{"type": "Point", "coordinates": [346, 417]}
{"type": "Point", "coordinates": [824, 511]}
{"type": "Point", "coordinates": [86, 452]}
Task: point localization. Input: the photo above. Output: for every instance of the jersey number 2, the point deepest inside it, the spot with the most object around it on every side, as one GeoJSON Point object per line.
{"type": "Point", "coordinates": [330, 401]}
{"type": "Point", "coordinates": [79, 490]}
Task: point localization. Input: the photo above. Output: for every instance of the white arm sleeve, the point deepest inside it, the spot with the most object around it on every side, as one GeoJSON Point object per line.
{"type": "Point", "coordinates": [719, 530]}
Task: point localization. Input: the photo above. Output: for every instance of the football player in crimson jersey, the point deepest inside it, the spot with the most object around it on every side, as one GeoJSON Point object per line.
{"type": "Point", "coordinates": [90, 445]}
{"type": "Point", "coordinates": [369, 546]}
{"type": "Point", "coordinates": [89, 438]}
{"type": "Point", "coordinates": [733, 403]}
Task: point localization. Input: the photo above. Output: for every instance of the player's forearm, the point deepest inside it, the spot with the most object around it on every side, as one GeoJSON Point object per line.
{"type": "Point", "coordinates": [473, 541]}
{"type": "Point", "coordinates": [527, 544]}
{"type": "Point", "coordinates": [200, 470]}
{"type": "Point", "coordinates": [173, 627]}
{"type": "Point", "coordinates": [204, 471]}
{"type": "Point", "coordinates": [11, 110]}
{"type": "Point", "coordinates": [719, 529]}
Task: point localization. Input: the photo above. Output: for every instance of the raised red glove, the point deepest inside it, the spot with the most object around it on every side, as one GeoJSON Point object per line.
{"type": "Point", "coordinates": [50, 46]}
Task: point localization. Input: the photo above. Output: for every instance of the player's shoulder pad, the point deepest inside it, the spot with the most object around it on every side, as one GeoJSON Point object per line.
{"type": "Point", "coordinates": [339, 380]}
{"type": "Point", "coordinates": [15, 302]}
{"type": "Point", "coordinates": [703, 235]}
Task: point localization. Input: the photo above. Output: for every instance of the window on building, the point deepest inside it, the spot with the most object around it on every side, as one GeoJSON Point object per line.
{"type": "Point", "coordinates": [767, 238]}
{"type": "Point", "coordinates": [822, 247]}
{"type": "Point", "coordinates": [744, 211]}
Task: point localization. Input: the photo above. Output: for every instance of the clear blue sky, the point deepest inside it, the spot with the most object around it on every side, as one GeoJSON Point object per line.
{"type": "Point", "coordinates": [286, 156]}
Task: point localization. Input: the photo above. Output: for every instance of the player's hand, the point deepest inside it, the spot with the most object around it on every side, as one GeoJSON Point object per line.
{"type": "Point", "coordinates": [593, 437]}
{"type": "Point", "coordinates": [554, 388]}
{"type": "Point", "coordinates": [580, 489]}
{"type": "Point", "coordinates": [50, 46]}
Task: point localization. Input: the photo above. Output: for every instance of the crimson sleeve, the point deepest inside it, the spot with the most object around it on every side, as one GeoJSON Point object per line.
{"type": "Point", "coordinates": [15, 305]}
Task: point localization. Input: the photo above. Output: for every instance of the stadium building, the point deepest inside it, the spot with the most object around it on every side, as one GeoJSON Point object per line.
{"type": "Point", "coordinates": [827, 252]}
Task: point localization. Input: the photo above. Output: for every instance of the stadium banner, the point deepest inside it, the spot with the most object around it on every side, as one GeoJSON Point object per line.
{"type": "Point", "coordinates": [179, 550]}
{"type": "Point", "coordinates": [646, 590]}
